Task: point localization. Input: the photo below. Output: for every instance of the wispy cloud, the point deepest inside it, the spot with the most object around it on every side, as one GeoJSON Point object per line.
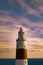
{"type": "Point", "coordinates": [29, 6]}
{"type": "Point", "coordinates": [27, 14]}
{"type": "Point", "coordinates": [9, 27]}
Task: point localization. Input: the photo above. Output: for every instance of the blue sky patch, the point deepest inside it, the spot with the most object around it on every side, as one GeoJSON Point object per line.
{"type": "Point", "coordinates": [34, 18]}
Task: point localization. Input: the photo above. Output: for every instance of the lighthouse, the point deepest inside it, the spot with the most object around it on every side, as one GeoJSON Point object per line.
{"type": "Point", "coordinates": [21, 49]}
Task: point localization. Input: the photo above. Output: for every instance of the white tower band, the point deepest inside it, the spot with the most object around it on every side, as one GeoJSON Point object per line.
{"type": "Point", "coordinates": [21, 49]}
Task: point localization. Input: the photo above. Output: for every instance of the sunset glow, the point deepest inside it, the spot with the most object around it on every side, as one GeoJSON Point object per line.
{"type": "Point", "coordinates": [27, 14]}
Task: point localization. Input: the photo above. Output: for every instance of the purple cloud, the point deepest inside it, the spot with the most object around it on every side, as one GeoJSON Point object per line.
{"type": "Point", "coordinates": [10, 22]}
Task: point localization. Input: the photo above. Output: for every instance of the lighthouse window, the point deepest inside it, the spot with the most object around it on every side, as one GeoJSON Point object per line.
{"type": "Point", "coordinates": [25, 61]}
{"type": "Point", "coordinates": [24, 46]}
{"type": "Point", "coordinates": [17, 46]}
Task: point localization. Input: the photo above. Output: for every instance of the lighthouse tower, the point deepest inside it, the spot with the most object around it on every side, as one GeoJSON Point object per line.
{"type": "Point", "coordinates": [21, 49]}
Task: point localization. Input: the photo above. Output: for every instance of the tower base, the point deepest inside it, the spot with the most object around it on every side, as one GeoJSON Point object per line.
{"type": "Point", "coordinates": [21, 62]}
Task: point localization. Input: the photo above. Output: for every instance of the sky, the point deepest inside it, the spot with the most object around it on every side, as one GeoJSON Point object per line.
{"type": "Point", "coordinates": [27, 14]}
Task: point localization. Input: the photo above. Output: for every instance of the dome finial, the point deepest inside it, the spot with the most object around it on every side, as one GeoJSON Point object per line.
{"type": "Point", "coordinates": [21, 34]}
{"type": "Point", "coordinates": [21, 28]}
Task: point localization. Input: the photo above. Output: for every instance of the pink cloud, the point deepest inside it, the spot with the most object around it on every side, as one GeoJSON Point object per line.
{"type": "Point", "coordinates": [11, 33]}
{"type": "Point", "coordinates": [20, 21]}
{"type": "Point", "coordinates": [31, 10]}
